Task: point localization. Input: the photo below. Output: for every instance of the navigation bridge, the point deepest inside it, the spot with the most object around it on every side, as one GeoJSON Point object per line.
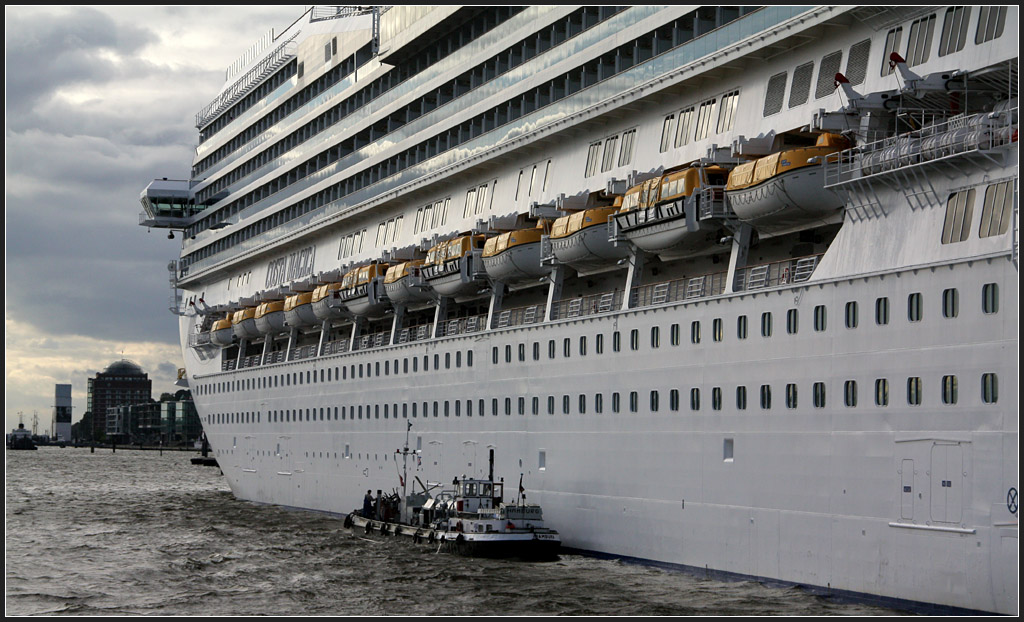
{"type": "Point", "coordinates": [169, 204]}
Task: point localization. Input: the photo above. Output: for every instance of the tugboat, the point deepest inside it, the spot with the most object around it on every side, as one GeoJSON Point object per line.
{"type": "Point", "coordinates": [471, 519]}
{"type": "Point", "coordinates": [20, 438]}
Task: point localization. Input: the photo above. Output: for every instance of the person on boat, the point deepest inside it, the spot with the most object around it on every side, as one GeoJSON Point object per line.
{"type": "Point", "coordinates": [368, 505]}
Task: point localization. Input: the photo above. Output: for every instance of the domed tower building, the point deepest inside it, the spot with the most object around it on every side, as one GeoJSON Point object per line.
{"type": "Point", "coordinates": [121, 383]}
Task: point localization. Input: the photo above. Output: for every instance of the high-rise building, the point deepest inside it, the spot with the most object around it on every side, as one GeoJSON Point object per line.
{"type": "Point", "coordinates": [62, 412]}
{"type": "Point", "coordinates": [121, 383]}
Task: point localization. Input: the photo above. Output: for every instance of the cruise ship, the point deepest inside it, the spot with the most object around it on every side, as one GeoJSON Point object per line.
{"type": "Point", "coordinates": [731, 288]}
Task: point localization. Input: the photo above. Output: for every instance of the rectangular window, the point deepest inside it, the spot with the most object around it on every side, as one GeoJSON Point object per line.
{"type": "Point", "coordinates": [674, 334]}
{"type": "Point", "coordinates": [634, 401]}
{"type": "Point", "coordinates": [741, 327]}
{"type": "Point", "coordinates": [792, 321]}
{"type": "Point", "coordinates": [892, 44]}
{"type": "Point", "coordinates": [766, 324]}
{"type": "Point", "coordinates": [741, 398]}
{"type": "Point", "coordinates": [667, 130]}
{"type": "Point", "coordinates": [705, 115]}
{"type": "Point", "coordinates": [626, 151]}
{"type": "Point", "coordinates": [995, 213]}
{"type": "Point", "coordinates": [820, 319]}
{"type": "Point", "coordinates": [694, 399]}
{"type": "Point", "coordinates": [766, 397]}
{"type": "Point", "coordinates": [959, 211]}
{"type": "Point", "coordinates": [615, 402]}
{"type": "Point", "coordinates": [790, 396]}
{"type": "Point", "coordinates": [954, 30]}
{"type": "Point", "coordinates": [684, 127]}
{"type": "Point", "coordinates": [593, 156]}
{"type": "Point", "coordinates": [716, 398]}
{"type": "Point", "coordinates": [989, 298]}
{"type": "Point", "coordinates": [598, 403]}
{"type": "Point", "coordinates": [655, 337]}
{"type": "Point", "coordinates": [599, 344]}
{"type": "Point", "coordinates": [481, 199]}
{"type": "Point", "coordinates": [919, 44]}
{"type": "Point", "coordinates": [727, 111]}
{"type": "Point", "coordinates": [818, 394]}
{"type": "Point", "coordinates": [716, 329]}
{"type": "Point", "coordinates": [634, 339]}
{"type": "Point", "coordinates": [610, 148]}
{"type": "Point", "coordinates": [990, 23]}
{"type": "Point", "coordinates": [695, 331]}
{"type": "Point", "coordinates": [673, 399]}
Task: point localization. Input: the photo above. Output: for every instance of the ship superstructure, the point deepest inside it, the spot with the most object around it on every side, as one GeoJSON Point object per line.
{"type": "Point", "coordinates": [735, 286]}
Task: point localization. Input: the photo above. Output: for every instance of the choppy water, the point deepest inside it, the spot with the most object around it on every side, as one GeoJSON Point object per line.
{"type": "Point", "coordinates": [137, 533]}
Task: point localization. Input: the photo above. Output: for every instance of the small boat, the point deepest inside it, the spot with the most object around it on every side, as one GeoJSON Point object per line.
{"type": "Point", "coordinates": [298, 310]}
{"type": "Point", "coordinates": [404, 283]}
{"type": "Point", "coordinates": [243, 323]}
{"type": "Point", "coordinates": [515, 256]}
{"type": "Point", "coordinates": [327, 304]}
{"type": "Point", "coordinates": [581, 239]}
{"type": "Point", "coordinates": [222, 333]}
{"type": "Point", "coordinates": [785, 191]}
{"type": "Point", "coordinates": [454, 268]}
{"type": "Point", "coordinates": [679, 214]}
{"type": "Point", "coordinates": [362, 291]}
{"type": "Point", "coordinates": [270, 317]}
{"type": "Point", "coordinates": [470, 519]}
{"type": "Point", "coordinates": [20, 438]}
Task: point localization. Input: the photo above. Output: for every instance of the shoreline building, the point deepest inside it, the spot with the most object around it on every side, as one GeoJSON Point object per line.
{"type": "Point", "coordinates": [121, 383]}
{"type": "Point", "coordinates": [62, 412]}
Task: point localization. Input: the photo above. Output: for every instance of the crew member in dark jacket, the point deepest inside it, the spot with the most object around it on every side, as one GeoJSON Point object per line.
{"type": "Point", "coordinates": [368, 505]}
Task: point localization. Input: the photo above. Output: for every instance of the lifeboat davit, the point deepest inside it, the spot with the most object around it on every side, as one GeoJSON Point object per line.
{"type": "Point", "coordinates": [581, 239]}
{"type": "Point", "coordinates": [222, 333]}
{"type": "Point", "coordinates": [404, 284]}
{"type": "Point", "coordinates": [515, 256]}
{"type": "Point", "coordinates": [327, 305]}
{"type": "Point", "coordinates": [676, 215]}
{"type": "Point", "coordinates": [785, 191]}
{"type": "Point", "coordinates": [362, 291]}
{"type": "Point", "coordinates": [243, 322]}
{"type": "Point", "coordinates": [270, 317]}
{"type": "Point", "coordinates": [298, 310]}
{"type": "Point", "coordinates": [454, 268]}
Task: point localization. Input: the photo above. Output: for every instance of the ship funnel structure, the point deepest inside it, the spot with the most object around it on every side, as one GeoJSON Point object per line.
{"type": "Point", "coordinates": [167, 204]}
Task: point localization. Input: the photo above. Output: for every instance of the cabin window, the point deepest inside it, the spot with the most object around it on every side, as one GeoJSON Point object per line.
{"type": "Point", "coordinates": [820, 318]}
{"type": "Point", "coordinates": [717, 332]}
{"type": "Point", "coordinates": [654, 401]}
{"type": "Point", "coordinates": [583, 404]}
{"type": "Point", "coordinates": [610, 148]}
{"type": "Point", "coordinates": [494, 354]}
{"type": "Point", "coordinates": [551, 404]}
{"type": "Point", "coordinates": [469, 358]}
{"type": "Point", "coordinates": [892, 44]}
{"type": "Point", "coordinates": [950, 303]}
{"type": "Point", "coordinates": [694, 399]}
{"type": "Point", "coordinates": [850, 393]}
{"type": "Point", "coordinates": [522, 352]}
{"type": "Point", "coordinates": [634, 401]}
{"type": "Point", "coordinates": [741, 398]}
{"type": "Point", "coordinates": [673, 399]}
{"type": "Point", "coordinates": [766, 396]}
{"type": "Point", "coordinates": [551, 348]}
{"type": "Point", "coordinates": [716, 398]}
{"type": "Point", "coordinates": [598, 403]}
{"type": "Point", "coordinates": [989, 388]}
{"type": "Point", "coordinates": [990, 23]}
{"type": "Point", "coordinates": [995, 213]}
{"type": "Point", "coordinates": [599, 343]}
{"type": "Point", "coordinates": [536, 350]}
{"type": "Point", "coordinates": [741, 327]}
{"type": "Point", "coordinates": [791, 395]}
{"type": "Point", "coordinates": [882, 311]}
{"type": "Point", "coordinates": [914, 310]}
{"type": "Point", "coordinates": [818, 394]}
{"type": "Point", "coordinates": [792, 321]}
{"type": "Point", "coordinates": [634, 339]}
{"type": "Point", "coordinates": [655, 336]}
{"type": "Point", "coordinates": [766, 324]}
{"type": "Point", "coordinates": [535, 403]}
{"type": "Point", "coordinates": [882, 392]}
{"type": "Point", "coordinates": [695, 331]}
{"type": "Point", "coordinates": [674, 334]}
{"type": "Point", "coordinates": [494, 407]}
{"type": "Point", "coordinates": [851, 314]}
{"type": "Point", "coordinates": [566, 347]}
{"type": "Point", "coordinates": [914, 391]}
{"type": "Point", "coordinates": [616, 341]}
{"type": "Point", "coordinates": [989, 298]}
{"type": "Point", "coordinates": [949, 390]}
{"type": "Point", "coordinates": [583, 345]}
{"type": "Point", "coordinates": [565, 404]}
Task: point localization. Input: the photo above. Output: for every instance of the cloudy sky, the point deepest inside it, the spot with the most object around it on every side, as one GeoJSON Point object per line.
{"type": "Point", "coordinates": [99, 102]}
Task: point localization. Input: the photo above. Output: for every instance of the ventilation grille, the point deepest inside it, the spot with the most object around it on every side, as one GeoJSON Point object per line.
{"type": "Point", "coordinates": [776, 94]}
{"type": "Point", "coordinates": [801, 85]}
{"type": "Point", "coordinates": [830, 66]}
{"type": "Point", "coordinates": [857, 63]}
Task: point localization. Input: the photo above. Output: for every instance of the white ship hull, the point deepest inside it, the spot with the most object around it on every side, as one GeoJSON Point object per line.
{"type": "Point", "coordinates": [826, 399]}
